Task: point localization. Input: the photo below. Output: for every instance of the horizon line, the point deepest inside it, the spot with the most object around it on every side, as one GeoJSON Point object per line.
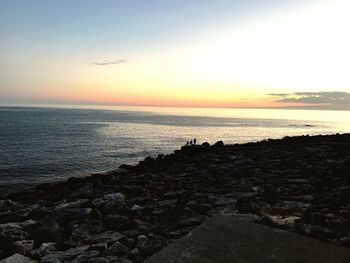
{"type": "Point", "coordinates": [86, 105]}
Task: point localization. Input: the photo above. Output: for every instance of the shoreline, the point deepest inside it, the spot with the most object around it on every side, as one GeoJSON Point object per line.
{"type": "Point", "coordinates": [298, 183]}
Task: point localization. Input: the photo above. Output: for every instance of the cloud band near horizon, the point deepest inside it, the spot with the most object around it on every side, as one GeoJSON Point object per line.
{"type": "Point", "coordinates": [330, 97]}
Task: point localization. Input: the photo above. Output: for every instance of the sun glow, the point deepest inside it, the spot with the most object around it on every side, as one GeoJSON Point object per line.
{"type": "Point", "coordinates": [303, 50]}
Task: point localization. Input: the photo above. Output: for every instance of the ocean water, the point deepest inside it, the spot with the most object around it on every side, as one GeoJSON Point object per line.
{"type": "Point", "coordinates": [51, 144]}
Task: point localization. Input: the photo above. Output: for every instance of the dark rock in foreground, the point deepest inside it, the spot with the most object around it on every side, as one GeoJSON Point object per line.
{"type": "Point", "coordinates": [225, 240]}
{"type": "Point", "coordinates": [301, 184]}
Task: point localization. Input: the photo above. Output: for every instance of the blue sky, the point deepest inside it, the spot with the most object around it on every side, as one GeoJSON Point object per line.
{"type": "Point", "coordinates": [124, 24]}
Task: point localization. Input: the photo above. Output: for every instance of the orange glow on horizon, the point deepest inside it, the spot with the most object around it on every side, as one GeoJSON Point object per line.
{"type": "Point", "coordinates": [162, 100]}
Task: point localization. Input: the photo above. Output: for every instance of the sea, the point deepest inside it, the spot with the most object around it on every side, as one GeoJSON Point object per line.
{"type": "Point", "coordinates": [45, 144]}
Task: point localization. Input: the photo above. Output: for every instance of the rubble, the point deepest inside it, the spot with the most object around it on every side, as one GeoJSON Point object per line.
{"type": "Point", "coordinates": [300, 184]}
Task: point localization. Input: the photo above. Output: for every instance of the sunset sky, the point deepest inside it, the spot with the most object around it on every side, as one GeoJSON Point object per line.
{"type": "Point", "coordinates": [262, 53]}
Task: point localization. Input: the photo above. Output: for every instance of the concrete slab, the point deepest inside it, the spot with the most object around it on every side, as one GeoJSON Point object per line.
{"type": "Point", "coordinates": [225, 239]}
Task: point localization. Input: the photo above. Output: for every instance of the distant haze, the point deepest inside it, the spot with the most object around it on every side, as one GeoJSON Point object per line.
{"type": "Point", "coordinates": [268, 53]}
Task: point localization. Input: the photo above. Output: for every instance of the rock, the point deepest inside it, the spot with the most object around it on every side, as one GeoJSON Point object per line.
{"type": "Point", "coordinates": [84, 192]}
{"type": "Point", "coordinates": [117, 249]}
{"type": "Point", "coordinates": [99, 247]}
{"type": "Point", "coordinates": [167, 203]}
{"type": "Point", "coordinates": [133, 233]}
{"type": "Point", "coordinates": [219, 144]}
{"type": "Point", "coordinates": [86, 231]}
{"type": "Point", "coordinates": [66, 215]}
{"type": "Point", "coordinates": [276, 182]}
{"type": "Point", "coordinates": [247, 217]}
{"type": "Point", "coordinates": [9, 233]}
{"type": "Point", "coordinates": [314, 231]}
{"type": "Point", "coordinates": [86, 256]}
{"type": "Point", "coordinates": [221, 201]}
{"type": "Point", "coordinates": [17, 258]}
{"type": "Point", "coordinates": [105, 237]}
{"type": "Point", "coordinates": [109, 201]}
{"type": "Point", "coordinates": [45, 249]}
{"type": "Point", "coordinates": [50, 259]}
{"type": "Point", "coordinates": [79, 203]}
{"type": "Point", "coordinates": [49, 232]}
{"type": "Point", "coordinates": [147, 247]}
{"type": "Point", "coordinates": [115, 221]}
{"type": "Point", "coordinates": [244, 206]}
{"type": "Point", "coordinates": [9, 205]}
{"type": "Point", "coordinates": [98, 260]}
{"type": "Point", "coordinates": [244, 162]}
{"type": "Point", "coordinates": [136, 210]}
{"type": "Point", "coordinates": [280, 221]}
{"type": "Point", "coordinates": [28, 224]}
{"type": "Point", "coordinates": [60, 256]}
{"type": "Point", "coordinates": [141, 241]}
{"type": "Point", "coordinates": [133, 254]}
{"type": "Point", "coordinates": [224, 239]}
{"type": "Point", "coordinates": [23, 247]}
{"type": "Point", "coordinates": [114, 259]}
{"type": "Point", "coordinates": [192, 221]}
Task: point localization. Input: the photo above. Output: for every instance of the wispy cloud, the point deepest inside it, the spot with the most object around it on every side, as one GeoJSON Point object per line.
{"type": "Point", "coordinates": [329, 97]}
{"type": "Point", "coordinates": [113, 62]}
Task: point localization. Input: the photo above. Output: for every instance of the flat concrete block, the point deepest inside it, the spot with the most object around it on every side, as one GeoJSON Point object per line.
{"type": "Point", "coordinates": [225, 239]}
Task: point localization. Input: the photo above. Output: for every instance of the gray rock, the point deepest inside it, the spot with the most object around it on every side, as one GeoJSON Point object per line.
{"type": "Point", "coordinates": [23, 247]}
{"type": "Point", "coordinates": [65, 215]}
{"type": "Point", "coordinates": [11, 232]}
{"type": "Point", "coordinates": [280, 221]}
{"type": "Point", "coordinates": [9, 205]}
{"type": "Point", "coordinates": [17, 258]}
{"type": "Point", "coordinates": [45, 249]}
{"type": "Point", "coordinates": [191, 221]}
{"type": "Point", "coordinates": [109, 201]}
{"type": "Point", "coordinates": [60, 256]}
{"type": "Point", "coordinates": [133, 254]}
{"type": "Point", "coordinates": [99, 247]}
{"type": "Point", "coordinates": [49, 232]}
{"type": "Point", "coordinates": [221, 201]}
{"type": "Point", "coordinates": [167, 203]}
{"type": "Point", "coordinates": [117, 249]}
{"type": "Point", "coordinates": [105, 237]}
{"type": "Point", "coordinates": [86, 231]}
{"type": "Point", "coordinates": [86, 256]}
{"type": "Point", "coordinates": [247, 217]}
{"type": "Point", "coordinates": [28, 224]}
{"type": "Point", "coordinates": [98, 260]}
{"type": "Point", "coordinates": [74, 204]}
{"type": "Point", "coordinates": [50, 259]}
{"type": "Point", "coordinates": [114, 259]}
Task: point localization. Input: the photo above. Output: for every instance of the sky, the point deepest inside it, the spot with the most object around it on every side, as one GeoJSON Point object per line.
{"type": "Point", "coordinates": [261, 53]}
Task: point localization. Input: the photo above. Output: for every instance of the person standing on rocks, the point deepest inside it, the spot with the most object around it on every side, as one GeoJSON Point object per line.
{"type": "Point", "coordinates": [194, 141]}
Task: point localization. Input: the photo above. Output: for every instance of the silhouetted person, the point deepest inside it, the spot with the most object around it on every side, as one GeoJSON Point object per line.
{"type": "Point", "coordinates": [194, 141]}
{"type": "Point", "coordinates": [187, 143]}
{"type": "Point", "coordinates": [191, 142]}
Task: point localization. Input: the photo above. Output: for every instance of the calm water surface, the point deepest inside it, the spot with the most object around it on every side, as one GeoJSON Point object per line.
{"type": "Point", "coordinates": [45, 144]}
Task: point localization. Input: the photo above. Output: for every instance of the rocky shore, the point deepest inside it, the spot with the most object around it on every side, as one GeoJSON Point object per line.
{"type": "Point", "coordinates": [301, 184]}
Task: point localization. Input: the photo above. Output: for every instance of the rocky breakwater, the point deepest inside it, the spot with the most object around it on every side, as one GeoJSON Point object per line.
{"type": "Point", "coordinates": [301, 184]}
